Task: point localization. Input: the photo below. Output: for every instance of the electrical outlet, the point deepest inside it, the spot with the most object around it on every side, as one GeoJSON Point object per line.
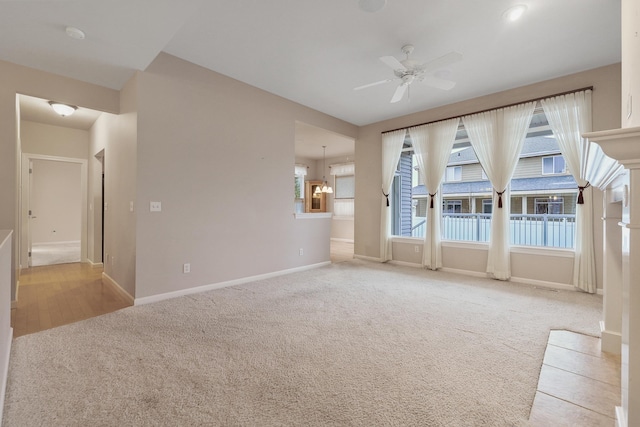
{"type": "Point", "coordinates": [186, 268]}
{"type": "Point", "coordinates": [417, 248]}
{"type": "Point", "coordinates": [301, 252]}
{"type": "Point", "coordinates": [155, 206]}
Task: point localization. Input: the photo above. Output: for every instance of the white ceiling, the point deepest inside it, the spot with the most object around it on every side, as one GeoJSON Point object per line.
{"type": "Point", "coordinates": [316, 52]}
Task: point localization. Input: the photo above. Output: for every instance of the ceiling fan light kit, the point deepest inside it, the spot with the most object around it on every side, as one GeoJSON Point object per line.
{"type": "Point", "coordinates": [409, 71]}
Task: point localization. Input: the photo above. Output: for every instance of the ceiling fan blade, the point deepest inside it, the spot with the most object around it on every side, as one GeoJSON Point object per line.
{"type": "Point", "coordinates": [399, 93]}
{"type": "Point", "coordinates": [374, 84]}
{"type": "Point", "coordinates": [393, 63]}
{"type": "Point", "coordinates": [443, 61]}
{"type": "Point", "coordinates": [437, 82]}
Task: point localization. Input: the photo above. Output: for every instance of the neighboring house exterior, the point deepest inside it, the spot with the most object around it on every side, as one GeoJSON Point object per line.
{"type": "Point", "coordinates": [543, 192]}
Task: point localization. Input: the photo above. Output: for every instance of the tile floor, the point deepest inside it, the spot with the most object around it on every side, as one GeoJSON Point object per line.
{"type": "Point", "coordinates": [579, 385]}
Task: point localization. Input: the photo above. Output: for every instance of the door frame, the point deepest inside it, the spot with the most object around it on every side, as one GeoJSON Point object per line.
{"type": "Point", "coordinates": [25, 246]}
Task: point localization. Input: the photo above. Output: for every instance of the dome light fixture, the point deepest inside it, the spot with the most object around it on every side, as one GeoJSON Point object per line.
{"type": "Point", "coordinates": [371, 5]}
{"type": "Point", "coordinates": [514, 13]}
{"type": "Point", "coordinates": [63, 109]}
{"type": "Point", "coordinates": [75, 33]}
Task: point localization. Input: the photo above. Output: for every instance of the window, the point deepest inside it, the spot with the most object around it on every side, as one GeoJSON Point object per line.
{"type": "Point", "coordinates": [300, 171]}
{"type": "Point", "coordinates": [553, 165]}
{"type": "Point", "coordinates": [454, 173]}
{"type": "Point", "coordinates": [487, 206]}
{"type": "Point", "coordinates": [553, 205]}
{"type": "Point", "coordinates": [345, 187]}
{"type": "Point", "coordinates": [421, 207]}
{"type": "Point", "coordinates": [452, 206]}
{"type": "Point", "coordinates": [467, 204]}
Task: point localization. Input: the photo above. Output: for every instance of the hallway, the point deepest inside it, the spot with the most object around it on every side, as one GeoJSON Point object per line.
{"type": "Point", "coordinates": [56, 295]}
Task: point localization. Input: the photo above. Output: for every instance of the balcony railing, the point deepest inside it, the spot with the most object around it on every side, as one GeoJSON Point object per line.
{"type": "Point", "coordinates": [546, 230]}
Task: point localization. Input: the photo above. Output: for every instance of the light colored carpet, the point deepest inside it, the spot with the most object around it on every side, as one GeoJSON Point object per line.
{"type": "Point", "coordinates": [351, 344]}
{"type": "Point", "coordinates": [55, 253]}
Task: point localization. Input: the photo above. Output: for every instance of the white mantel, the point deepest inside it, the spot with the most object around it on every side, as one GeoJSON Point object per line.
{"type": "Point", "coordinates": [624, 146]}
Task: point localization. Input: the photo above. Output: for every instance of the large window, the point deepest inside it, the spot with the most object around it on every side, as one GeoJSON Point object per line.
{"type": "Point", "coordinates": [542, 199]}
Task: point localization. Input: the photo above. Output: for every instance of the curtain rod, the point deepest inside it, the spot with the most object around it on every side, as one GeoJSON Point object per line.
{"type": "Point", "coordinates": [496, 108]}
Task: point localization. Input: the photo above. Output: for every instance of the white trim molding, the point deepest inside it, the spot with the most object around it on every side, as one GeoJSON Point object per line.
{"type": "Point", "coordinates": [220, 285]}
{"type": "Point", "coordinates": [108, 280]}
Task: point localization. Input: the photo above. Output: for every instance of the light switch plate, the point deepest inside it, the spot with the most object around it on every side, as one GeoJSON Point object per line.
{"type": "Point", "coordinates": [155, 206]}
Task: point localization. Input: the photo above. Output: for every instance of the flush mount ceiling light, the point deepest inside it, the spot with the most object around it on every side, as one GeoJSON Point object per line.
{"type": "Point", "coordinates": [371, 5]}
{"type": "Point", "coordinates": [63, 109]}
{"type": "Point", "coordinates": [514, 13]}
{"type": "Point", "coordinates": [75, 33]}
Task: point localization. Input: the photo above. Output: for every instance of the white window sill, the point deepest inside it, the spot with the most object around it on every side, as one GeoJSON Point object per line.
{"type": "Point", "coordinates": [307, 215]}
{"type": "Point", "coordinates": [410, 240]}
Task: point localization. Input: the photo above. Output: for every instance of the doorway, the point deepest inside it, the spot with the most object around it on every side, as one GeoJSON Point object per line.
{"type": "Point", "coordinates": [54, 214]}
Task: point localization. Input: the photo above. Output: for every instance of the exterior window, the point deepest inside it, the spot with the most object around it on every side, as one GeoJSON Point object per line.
{"type": "Point", "coordinates": [553, 205]}
{"type": "Point", "coordinates": [553, 165]}
{"type": "Point", "coordinates": [484, 176]}
{"type": "Point", "coordinates": [454, 173]}
{"type": "Point", "coordinates": [452, 206]}
{"type": "Point", "coordinates": [421, 208]}
{"type": "Point", "coordinates": [345, 187]}
{"type": "Point", "coordinates": [487, 206]}
{"type": "Point", "coordinates": [298, 190]}
{"type": "Point", "coordinates": [344, 196]}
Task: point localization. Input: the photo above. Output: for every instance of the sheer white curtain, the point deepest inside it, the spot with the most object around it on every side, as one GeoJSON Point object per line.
{"type": "Point", "coordinates": [432, 145]}
{"type": "Point", "coordinates": [497, 137]}
{"type": "Point", "coordinates": [391, 150]}
{"type": "Point", "coordinates": [569, 117]}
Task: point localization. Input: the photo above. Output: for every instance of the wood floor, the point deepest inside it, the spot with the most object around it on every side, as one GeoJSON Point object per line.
{"type": "Point", "coordinates": [55, 295]}
{"type": "Point", "coordinates": [341, 251]}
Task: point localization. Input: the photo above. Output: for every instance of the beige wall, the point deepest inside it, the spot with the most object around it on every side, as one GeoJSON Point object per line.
{"type": "Point", "coordinates": [606, 82]}
{"type": "Point", "coordinates": [22, 80]}
{"type": "Point", "coordinates": [39, 138]}
{"type": "Point", "coordinates": [218, 154]}
{"type": "Point", "coordinates": [114, 137]}
{"type": "Point", "coordinates": [630, 98]}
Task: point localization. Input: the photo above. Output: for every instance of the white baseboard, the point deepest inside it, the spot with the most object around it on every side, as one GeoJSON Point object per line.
{"type": "Point", "coordinates": [107, 280]}
{"type": "Point", "coordinates": [4, 372]}
{"type": "Point", "coordinates": [610, 341]}
{"type": "Point", "coordinates": [338, 239]}
{"type": "Point", "coordinates": [464, 272]}
{"type": "Point", "coordinates": [95, 264]}
{"type": "Point", "coordinates": [367, 258]}
{"type": "Point", "coordinates": [220, 285]}
{"type": "Point", "coordinates": [543, 284]}
{"type": "Point", "coordinates": [405, 264]}
{"type": "Point", "coordinates": [621, 419]}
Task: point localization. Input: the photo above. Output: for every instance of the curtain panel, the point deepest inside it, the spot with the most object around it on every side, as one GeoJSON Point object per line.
{"type": "Point", "coordinates": [300, 170]}
{"type": "Point", "coordinates": [432, 144]}
{"type": "Point", "coordinates": [497, 137]}
{"type": "Point", "coordinates": [391, 149]}
{"type": "Point", "coordinates": [570, 117]}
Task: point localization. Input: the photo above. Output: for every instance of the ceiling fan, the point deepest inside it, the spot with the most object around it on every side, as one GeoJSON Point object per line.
{"type": "Point", "coordinates": [410, 70]}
